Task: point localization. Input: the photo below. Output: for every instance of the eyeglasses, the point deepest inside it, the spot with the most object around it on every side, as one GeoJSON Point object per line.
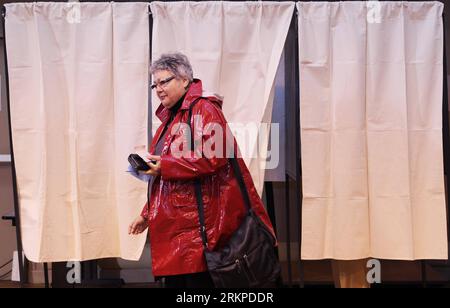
{"type": "Point", "coordinates": [163, 83]}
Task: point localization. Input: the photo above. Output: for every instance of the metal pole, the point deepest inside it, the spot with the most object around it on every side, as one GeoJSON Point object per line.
{"type": "Point", "coordinates": [291, 98]}
{"type": "Point", "coordinates": [47, 285]}
{"type": "Point", "coordinates": [23, 278]}
{"type": "Point", "coordinates": [298, 164]}
{"type": "Point", "coordinates": [288, 232]}
{"type": "Point", "coordinates": [268, 187]}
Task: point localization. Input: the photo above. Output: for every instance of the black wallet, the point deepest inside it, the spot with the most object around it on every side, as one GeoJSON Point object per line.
{"type": "Point", "coordinates": [138, 163]}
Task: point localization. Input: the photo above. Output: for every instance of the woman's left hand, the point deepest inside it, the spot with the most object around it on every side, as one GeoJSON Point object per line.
{"type": "Point", "coordinates": [155, 168]}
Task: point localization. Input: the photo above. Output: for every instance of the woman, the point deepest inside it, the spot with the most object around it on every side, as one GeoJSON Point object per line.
{"type": "Point", "coordinates": [172, 217]}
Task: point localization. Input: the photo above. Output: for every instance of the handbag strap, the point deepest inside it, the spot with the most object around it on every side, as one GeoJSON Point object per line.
{"type": "Point", "coordinates": [198, 187]}
{"type": "Point", "coordinates": [197, 183]}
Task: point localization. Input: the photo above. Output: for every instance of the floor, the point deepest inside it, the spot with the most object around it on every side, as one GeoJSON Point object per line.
{"type": "Point", "coordinates": [15, 285]}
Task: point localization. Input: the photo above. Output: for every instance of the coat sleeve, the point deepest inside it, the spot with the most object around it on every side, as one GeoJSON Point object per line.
{"type": "Point", "coordinates": [144, 212]}
{"type": "Point", "coordinates": [210, 157]}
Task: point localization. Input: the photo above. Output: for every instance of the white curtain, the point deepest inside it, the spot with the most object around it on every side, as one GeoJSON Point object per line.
{"type": "Point", "coordinates": [235, 48]}
{"type": "Point", "coordinates": [371, 130]}
{"type": "Point", "coordinates": [79, 90]}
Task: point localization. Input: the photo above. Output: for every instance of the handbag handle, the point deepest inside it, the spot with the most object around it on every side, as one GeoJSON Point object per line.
{"type": "Point", "coordinates": [198, 187]}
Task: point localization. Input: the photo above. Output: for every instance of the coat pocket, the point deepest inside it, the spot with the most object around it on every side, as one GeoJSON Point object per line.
{"type": "Point", "coordinates": [182, 194]}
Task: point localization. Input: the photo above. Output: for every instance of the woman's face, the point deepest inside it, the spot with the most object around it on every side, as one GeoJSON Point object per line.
{"type": "Point", "coordinates": [169, 89]}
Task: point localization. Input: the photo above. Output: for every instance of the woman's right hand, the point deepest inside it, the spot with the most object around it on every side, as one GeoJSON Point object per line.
{"type": "Point", "coordinates": [138, 226]}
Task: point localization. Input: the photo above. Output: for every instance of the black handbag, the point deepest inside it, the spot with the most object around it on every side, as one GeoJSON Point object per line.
{"type": "Point", "coordinates": [248, 259]}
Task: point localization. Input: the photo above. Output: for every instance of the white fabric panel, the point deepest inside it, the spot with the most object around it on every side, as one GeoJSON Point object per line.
{"type": "Point", "coordinates": [234, 48]}
{"type": "Point", "coordinates": [79, 92]}
{"type": "Point", "coordinates": [276, 168]}
{"type": "Point", "coordinates": [371, 121]}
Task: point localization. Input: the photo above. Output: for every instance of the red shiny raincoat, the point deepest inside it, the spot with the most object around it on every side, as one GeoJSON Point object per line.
{"type": "Point", "coordinates": [176, 245]}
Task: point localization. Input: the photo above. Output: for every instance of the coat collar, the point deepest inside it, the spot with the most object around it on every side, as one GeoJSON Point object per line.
{"type": "Point", "coordinates": [195, 91]}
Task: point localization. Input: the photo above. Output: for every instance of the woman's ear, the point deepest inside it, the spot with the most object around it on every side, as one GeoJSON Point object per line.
{"type": "Point", "coordinates": [186, 83]}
